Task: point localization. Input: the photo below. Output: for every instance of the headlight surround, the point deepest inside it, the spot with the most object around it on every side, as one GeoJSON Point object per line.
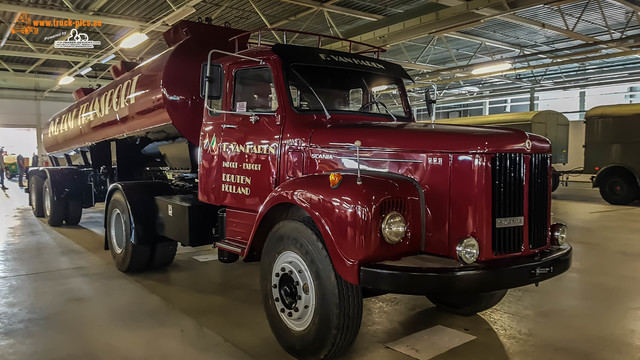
{"type": "Point", "coordinates": [559, 233]}
{"type": "Point", "coordinates": [468, 250]}
{"type": "Point", "coordinates": [394, 227]}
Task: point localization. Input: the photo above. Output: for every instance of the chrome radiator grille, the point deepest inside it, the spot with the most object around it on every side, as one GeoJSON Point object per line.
{"type": "Point", "coordinates": [538, 199]}
{"type": "Point", "coordinates": [507, 203]}
{"type": "Point", "coordinates": [509, 172]}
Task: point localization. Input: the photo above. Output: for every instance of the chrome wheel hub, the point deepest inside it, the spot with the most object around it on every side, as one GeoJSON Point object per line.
{"type": "Point", "coordinates": [293, 290]}
{"type": "Point", "coordinates": [117, 231]}
{"type": "Point", "coordinates": [46, 198]}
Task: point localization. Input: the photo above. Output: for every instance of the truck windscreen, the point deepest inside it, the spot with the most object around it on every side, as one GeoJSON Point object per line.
{"type": "Point", "coordinates": [347, 91]}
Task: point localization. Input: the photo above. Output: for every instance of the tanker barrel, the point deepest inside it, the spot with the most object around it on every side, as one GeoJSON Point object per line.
{"type": "Point", "coordinates": [159, 98]}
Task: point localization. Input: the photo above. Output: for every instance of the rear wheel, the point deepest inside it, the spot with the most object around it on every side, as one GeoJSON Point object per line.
{"type": "Point", "coordinates": [36, 184]}
{"type": "Point", "coordinates": [54, 209]}
{"type": "Point", "coordinates": [74, 211]}
{"type": "Point", "coordinates": [121, 236]}
{"type": "Point", "coordinates": [312, 311]}
{"type": "Point", "coordinates": [619, 189]}
{"type": "Point", "coordinates": [467, 304]}
{"type": "Point", "coordinates": [162, 254]}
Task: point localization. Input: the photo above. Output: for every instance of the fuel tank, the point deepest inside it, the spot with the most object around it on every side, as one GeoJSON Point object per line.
{"type": "Point", "coordinates": [159, 98]}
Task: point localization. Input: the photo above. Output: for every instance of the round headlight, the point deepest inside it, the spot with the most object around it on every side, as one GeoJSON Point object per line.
{"type": "Point", "coordinates": [393, 227]}
{"type": "Point", "coordinates": [468, 250]}
{"type": "Point", "coordinates": [559, 233]}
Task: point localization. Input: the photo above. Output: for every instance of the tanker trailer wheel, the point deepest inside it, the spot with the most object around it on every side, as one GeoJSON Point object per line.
{"type": "Point", "coordinates": [467, 304]}
{"type": "Point", "coordinates": [121, 236]}
{"type": "Point", "coordinates": [619, 189]}
{"type": "Point", "coordinates": [162, 254]}
{"type": "Point", "coordinates": [54, 209]}
{"type": "Point", "coordinates": [74, 211]}
{"type": "Point", "coordinates": [312, 311]}
{"type": "Point", "coordinates": [36, 184]}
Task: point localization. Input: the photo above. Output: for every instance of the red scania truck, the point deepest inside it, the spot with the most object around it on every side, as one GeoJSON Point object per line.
{"type": "Point", "coordinates": [310, 161]}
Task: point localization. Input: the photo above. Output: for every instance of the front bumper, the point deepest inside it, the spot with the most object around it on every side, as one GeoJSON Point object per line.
{"type": "Point", "coordinates": [426, 274]}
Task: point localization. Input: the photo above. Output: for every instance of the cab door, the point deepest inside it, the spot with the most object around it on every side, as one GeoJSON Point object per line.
{"type": "Point", "coordinates": [250, 145]}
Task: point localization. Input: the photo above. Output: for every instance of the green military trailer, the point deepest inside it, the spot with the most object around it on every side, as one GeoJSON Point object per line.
{"type": "Point", "coordinates": [611, 151]}
{"type": "Point", "coordinates": [548, 123]}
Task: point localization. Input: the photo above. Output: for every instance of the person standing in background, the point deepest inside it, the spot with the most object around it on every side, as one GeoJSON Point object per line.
{"type": "Point", "coordinates": [3, 169]}
{"type": "Point", "coordinates": [21, 169]}
{"type": "Point", "coordinates": [34, 160]}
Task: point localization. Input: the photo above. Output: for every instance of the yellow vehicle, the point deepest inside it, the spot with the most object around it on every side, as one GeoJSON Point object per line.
{"type": "Point", "coordinates": [11, 165]}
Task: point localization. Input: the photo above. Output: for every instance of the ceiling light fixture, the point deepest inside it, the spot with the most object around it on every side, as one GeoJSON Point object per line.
{"type": "Point", "coordinates": [66, 80]}
{"type": "Point", "coordinates": [107, 58]}
{"type": "Point", "coordinates": [133, 40]}
{"type": "Point", "coordinates": [492, 68]}
{"type": "Point", "coordinates": [85, 70]}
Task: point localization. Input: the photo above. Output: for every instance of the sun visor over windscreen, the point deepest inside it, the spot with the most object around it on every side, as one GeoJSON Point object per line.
{"type": "Point", "coordinates": [293, 54]}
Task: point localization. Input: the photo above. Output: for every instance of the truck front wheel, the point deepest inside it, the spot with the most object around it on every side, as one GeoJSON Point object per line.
{"type": "Point", "coordinates": [312, 311]}
{"type": "Point", "coordinates": [618, 189]}
{"type": "Point", "coordinates": [467, 304]}
{"type": "Point", "coordinates": [127, 255]}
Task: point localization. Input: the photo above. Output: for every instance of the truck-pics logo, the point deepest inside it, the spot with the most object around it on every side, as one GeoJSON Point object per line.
{"type": "Point", "coordinates": [23, 26]}
{"type": "Point", "coordinates": [76, 40]}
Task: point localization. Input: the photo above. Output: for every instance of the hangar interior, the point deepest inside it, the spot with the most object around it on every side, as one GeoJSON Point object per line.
{"type": "Point", "coordinates": [61, 297]}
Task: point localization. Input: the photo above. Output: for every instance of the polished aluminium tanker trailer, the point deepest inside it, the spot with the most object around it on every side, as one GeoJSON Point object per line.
{"type": "Point", "coordinates": [295, 160]}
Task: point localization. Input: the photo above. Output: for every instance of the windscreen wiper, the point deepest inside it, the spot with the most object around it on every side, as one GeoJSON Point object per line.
{"type": "Point", "coordinates": [313, 91]}
{"type": "Point", "coordinates": [377, 102]}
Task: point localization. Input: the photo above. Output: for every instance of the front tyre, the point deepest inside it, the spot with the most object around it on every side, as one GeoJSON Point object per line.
{"type": "Point", "coordinates": [312, 311]}
{"type": "Point", "coordinates": [467, 304]}
{"type": "Point", "coordinates": [122, 237]}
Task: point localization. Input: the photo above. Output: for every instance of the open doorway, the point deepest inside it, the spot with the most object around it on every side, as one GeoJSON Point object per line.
{"type": "Point", "coordinates": [13, 143]}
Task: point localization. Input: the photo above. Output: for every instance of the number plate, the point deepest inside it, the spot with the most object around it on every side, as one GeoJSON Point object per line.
{"type": "Point", "coordinates": [509, 222]}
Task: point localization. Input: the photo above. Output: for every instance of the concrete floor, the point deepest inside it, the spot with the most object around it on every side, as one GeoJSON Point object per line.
{"type": "Point", "coordinates": [61, 298]}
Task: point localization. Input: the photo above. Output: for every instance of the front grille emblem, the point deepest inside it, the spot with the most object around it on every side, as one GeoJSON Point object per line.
{"type": "Point", "coordinates": [527, 144]}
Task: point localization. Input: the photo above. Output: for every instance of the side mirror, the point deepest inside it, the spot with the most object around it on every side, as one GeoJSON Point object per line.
{"type": "Point", "coordinates": [211, 83]}
{"type": "Point", "coordinates": [429, 101]}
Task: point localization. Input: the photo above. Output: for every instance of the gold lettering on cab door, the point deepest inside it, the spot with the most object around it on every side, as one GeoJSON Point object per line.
{"type": "Point", "coordinates": [237, 183]}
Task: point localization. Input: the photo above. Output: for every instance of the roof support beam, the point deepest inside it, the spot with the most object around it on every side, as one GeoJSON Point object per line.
{"type": "Point", "coordinates": [630, 4]}
{"type": "Point", "coordinates": [62, 14]}
{"type": "Point", "coordinates": [47, 56]}
{"type": "Point", "coordinates": [336, 9]}
{"type": "Point", "coordinates": [486, 41]}
{"type": "Point", "coordinates": [439, 22]}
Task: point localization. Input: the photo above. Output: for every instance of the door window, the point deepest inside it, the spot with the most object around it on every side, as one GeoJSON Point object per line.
{"type": "Point", "coordinates": [254, 91]}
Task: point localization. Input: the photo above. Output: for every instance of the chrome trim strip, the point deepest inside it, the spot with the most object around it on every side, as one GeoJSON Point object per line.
{"type": "Point", "coordinates": [378, 159]}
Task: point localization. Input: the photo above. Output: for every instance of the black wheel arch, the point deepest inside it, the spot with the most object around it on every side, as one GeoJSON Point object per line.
{"type": "Point", "coordinates": [140, 199]}
{"type": "Point", "coordinates": [66, 181]}
{"type": "Point", "coordinates": [278, 213]}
